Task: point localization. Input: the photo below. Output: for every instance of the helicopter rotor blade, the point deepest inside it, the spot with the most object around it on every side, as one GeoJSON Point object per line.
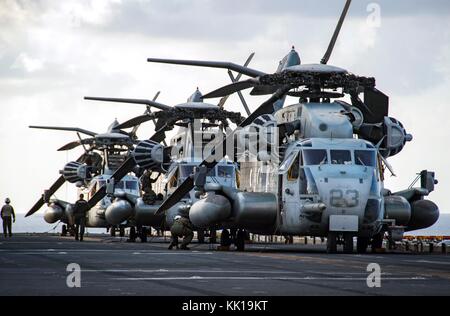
{"type": "Point", "coordinates": [231, 88]}
{"type": "Point", "coordinates": [213, 64]}
{"type": "Point", "coordinates": [135, 121]}
{"type": "Point", "coordinates": [210, 162]}
{"type": "Point", "coordinates": [55, 186]}
{"type": "Point", "coordinates": [63, 128]}
{"type": "Point", "coordinates": [70, 145]}
{"type": "Point", "coordinates": [77, 143]}
{"type": "Point", "coordinates": [148, 111]}
{"type": "Point", "coordinates": [238, 77]}
{"type": "Point", "coordinates": [134, 101]}
{"type": "Point", "coordinates": [327, 55]}
{"type": "Point", "coordinates": [241, 97]}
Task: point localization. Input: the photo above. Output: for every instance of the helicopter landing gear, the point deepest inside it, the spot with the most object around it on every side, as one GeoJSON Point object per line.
{"type": "Point", "coordinates": [112, 231]}
{"type": "Point", "coordinates": [348, 243]}
{"type": "Point", "coordinates": [212, 236]}
{"type": "Point", "coordinates": [64, 231]}
{"type": "Point", "coordinates": [377, 241]}
{"type": "Point", "coordinates": [201, 236]}
{"type": "Point", "coordinates": [361, 244]}
{"type": "Point", "coordinates": [225, 238]}
{"type": "Point", "coordinates": [332, 242]}
{"type": "Point", "coordinates": [143, 234]}
{"type": "Point", "coordinates": [122, 231]}
{"type": "Point", "coordinates": [132, 237]}
{"type": "Point", "coordinates": [240, 240]}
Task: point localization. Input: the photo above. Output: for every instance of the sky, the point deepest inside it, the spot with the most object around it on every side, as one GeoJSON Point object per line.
{"type": "Point", "coordinates": [53, 53]}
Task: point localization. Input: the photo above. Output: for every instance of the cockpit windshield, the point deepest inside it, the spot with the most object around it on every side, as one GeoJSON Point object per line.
{"type": "Point", "coordinates": [187, 170]}
{"type": "Point", "coordinates": [225, 171]}
{"type": "Point", "coordinates": [131, 185]}
{"type": "Point", "coordinates": [365, 158]}
{"type": "Point", "coordinates": [315, 156]}
{"type": "Point", "coordinates": [340, 157]}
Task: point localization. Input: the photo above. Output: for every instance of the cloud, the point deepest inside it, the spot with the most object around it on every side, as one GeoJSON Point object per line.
{"type": "Point", "coordinates": [52, 53]}
{"type": "Point", "coordinates": [29, 64]}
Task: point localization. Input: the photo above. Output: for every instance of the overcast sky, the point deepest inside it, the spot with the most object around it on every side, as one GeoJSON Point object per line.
{"type": "Point", "coordinates": [52, 53]}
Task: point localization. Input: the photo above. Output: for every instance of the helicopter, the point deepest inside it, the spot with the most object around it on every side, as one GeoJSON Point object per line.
{"type": "Point", "coordinates": [106, 152]}
{"type": "Point", "coordinates": [328, 180]}
{"type": "Point", "coordinates": [199, 123]}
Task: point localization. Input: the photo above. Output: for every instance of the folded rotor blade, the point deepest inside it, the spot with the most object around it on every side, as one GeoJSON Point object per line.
{"type": "Point", "coordinates": [135, 101]}
{"type": "Point", "coordinates": [135, 121]}
{"type": "Point", "coordinates": [238, 77]}
{"type": "Point", "coordinates": [63, 128]}
{"type": "Point", "coordinates": [231, 88]}
{"type": "Point", "coordinates": [210, 162]}
{"type": "Point", "coordinates": [77, 143]}
{"type": "Point", "coordinates": [213, 64]}
{"type": "Point", "coordinates": [327, 55]}
{"type": "Point", "coordinates": [55, 186]}
{"type": "Point", "coordinates": [70, 145]}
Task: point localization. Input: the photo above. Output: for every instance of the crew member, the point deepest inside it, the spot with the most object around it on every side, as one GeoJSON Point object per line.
{"type": "Point", "coordinates": [80, 209]}
{"type": "Point", "coordinates": [6, 214]}
{"type": "Point", "coordinates": [181, 227]}
{"type": "Point", "coordinates": [149, 197]}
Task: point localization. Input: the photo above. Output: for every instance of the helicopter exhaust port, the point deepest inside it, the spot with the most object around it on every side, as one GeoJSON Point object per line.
{"type": "Point", "coordinates": [149, 155]}
{"type": "Point", "coordinates": [74, 172]}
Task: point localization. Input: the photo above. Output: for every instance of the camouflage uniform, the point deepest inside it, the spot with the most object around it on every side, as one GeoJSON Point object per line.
{"type": "Point", "coordinates": [181, 228]}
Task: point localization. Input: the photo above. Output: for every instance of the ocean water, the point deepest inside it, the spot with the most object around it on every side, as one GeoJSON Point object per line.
{"type": "Point", "coordinates": [36, 224]}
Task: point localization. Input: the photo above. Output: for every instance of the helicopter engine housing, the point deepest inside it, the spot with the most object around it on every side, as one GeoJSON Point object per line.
{"type": "Point", "coordinates": [118, 211]}
{"type": "Point", "coordinates": [53, 213]}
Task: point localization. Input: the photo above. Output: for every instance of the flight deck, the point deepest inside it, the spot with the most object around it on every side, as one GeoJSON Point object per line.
{"type": "Point", "coordinates": [37, 265]}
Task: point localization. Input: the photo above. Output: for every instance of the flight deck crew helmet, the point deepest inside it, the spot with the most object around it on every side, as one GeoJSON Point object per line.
{"type": "Point", "coordinates": [177, 217]}
{"type": "Point", "coordinates": [7, 201]}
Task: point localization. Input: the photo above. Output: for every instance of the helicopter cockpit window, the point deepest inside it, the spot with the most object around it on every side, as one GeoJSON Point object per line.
{"type": "Point", "coordinates": [340, 157]}
{"type": "Point", "coordinates": [315, 156]}
{"type": "Point", "coordinates": [119, 185]}
{"type": "Point", "coordinates": [365, 158]}
{"type": "Point", "coordinates": [225, 171]}
{"type": "Point", "coordinates": [131, 185]}
{"type": "Point", "coordinates": [186, 171]}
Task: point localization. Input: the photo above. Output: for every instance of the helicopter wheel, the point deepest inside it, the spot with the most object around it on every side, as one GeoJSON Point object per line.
{"type": "Point", "coordinates": [225, 239]}
{"type": "Point", "coordinates": [212, 236]}
{"type": "Point", "coordinates": [348, 243]}
{"type": "Point", "coordinates": [64, 230]}
{"type": "Point", "coordinates": [201, 236]}
{"type": "Point", "coordinates": [240, 240]}
{"type": "Point", "coordinates": [361, 244]}
{"type": "Point", "coordinates": [143, 234]}
{"type": "Point", "coordinates": [332, 242]}
{"type": "Point", "coordinates": [121, 231]}
{"type": "Point", "coordinates": [132, 234]}
{"type": "Point", "coordinates": [377, 241]}
{"type": "Point", "coordinates": [112, 231]}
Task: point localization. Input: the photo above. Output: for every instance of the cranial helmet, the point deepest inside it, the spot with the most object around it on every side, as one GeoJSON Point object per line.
{"type": "Point", "coordinates": [7, 200]}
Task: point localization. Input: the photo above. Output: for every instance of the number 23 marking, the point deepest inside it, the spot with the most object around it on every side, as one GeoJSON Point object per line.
{"type": "Point", "coordinates": [337, 198]}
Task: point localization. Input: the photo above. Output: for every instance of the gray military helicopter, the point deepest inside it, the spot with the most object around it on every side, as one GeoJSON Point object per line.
{"type": "Point", "coordinates": [106, 152]}
{"type": "Point", "coordinates": [196, 120]}
{"type": "Point", "coordinates": [329, 179]}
